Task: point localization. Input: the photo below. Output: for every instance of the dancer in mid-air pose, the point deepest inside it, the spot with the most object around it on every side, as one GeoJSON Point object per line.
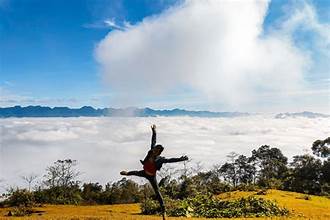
{"type": "Point", "coordinates": [151, 163]}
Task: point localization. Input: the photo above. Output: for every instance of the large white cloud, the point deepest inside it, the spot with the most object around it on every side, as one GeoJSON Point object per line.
{"type": "Point", "coordinates": [105, 146]}
{"type": "Point", "coordinates": [217, 48]}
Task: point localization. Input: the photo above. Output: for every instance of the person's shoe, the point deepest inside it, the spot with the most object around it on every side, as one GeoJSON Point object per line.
{"type": "Point", "coordinates": [125, 173]}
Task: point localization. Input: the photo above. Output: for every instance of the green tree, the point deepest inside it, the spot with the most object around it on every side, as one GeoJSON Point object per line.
{"type": "Point", "coordinates": [306, 174]}
{"type": "Point", "coordinates": [92, 193]}
{"type": "Point", "coordinates": [245, 170]}
{"type": "Point", "coordinates": [321, 147]}
{"type": "Point", "coordinates": [325, 177]}
{"type": "Point", "coordinates": [228, 172]}
{"type": "Point", "coordinates": [61, 174]}
{"type": "Point", "coordinates": [122, 191]}
{"type": "Point", "coordinates": [62, 185]}
{"type": "Point", "coordinates": [271, 166]}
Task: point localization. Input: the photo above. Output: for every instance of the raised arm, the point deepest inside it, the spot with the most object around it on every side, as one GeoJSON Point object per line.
{"type": "Point", "coordinates": [174, 160]}
{"type": "Point", "coordinates": [154, 136]}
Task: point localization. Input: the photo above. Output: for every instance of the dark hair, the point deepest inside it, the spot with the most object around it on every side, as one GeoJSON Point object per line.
{"type": "Point", "coordinates": [159, 147]}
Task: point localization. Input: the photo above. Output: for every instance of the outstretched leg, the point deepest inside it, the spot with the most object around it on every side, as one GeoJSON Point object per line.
{"type": "Point", "coordinates": [159, 197]}
{"type": "Point", "coordinates": [140, 173]}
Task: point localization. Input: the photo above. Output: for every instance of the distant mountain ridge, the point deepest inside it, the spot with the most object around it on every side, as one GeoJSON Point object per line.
{"type": "Point", "coordinates": [301, 114]}
{"type": "Point", "coordinates": [88, 111]}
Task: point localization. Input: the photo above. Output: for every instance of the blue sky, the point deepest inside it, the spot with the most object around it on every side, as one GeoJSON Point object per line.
{"type": "Point", "coordinates": [47, 52]}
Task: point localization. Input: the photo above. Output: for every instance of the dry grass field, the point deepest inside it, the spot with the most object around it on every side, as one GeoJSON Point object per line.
{"type": "Point", "coordinates": [315, 207]}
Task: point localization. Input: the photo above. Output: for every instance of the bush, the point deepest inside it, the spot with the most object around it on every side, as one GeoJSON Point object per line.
{"type": "Point", "coordinates": [22, 202]}
{"type": "Point", "coordinates": [262, 192]}
{"type": "Point", "coordinates": [246, 187]}
{"type": "Point", "coordinates": [20, 211]}
{"type": "Point", "coordinates": [305, 197]}
{"type": "Point", "coordinates": [59, 195]}
{"type": "Point", "coordinates": [210, 207]}
{"type": "Point", "coordinates": [271, 183]}
{"type": "Point", "coordinates": [20, 197]}
{"type": "Point", "coordinates": [150, 207]}
{"type": "Point", "coordinates": [325, 189]}
{"type": "Point", "coordinates": [173, 207]}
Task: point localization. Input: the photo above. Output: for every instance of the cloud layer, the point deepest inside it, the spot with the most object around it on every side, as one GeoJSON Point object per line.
{"type": "Point", "coordinates": [105, 146]}
{"type": "Point", "coordinates": [216, 48]}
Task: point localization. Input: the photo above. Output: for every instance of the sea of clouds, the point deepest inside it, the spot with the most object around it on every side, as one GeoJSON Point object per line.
{"type": "Point", "coordinates": [105, 146]}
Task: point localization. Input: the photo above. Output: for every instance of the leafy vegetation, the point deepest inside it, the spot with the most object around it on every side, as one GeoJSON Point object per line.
{"type": "Point", "coordinates": [266, 168]}
{"type": "Point", "coordinates": [316, 208]}
{"type": "Point", "coordinates": [211, 207]}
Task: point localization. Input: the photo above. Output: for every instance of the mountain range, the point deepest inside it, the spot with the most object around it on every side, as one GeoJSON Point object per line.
{"type": "Point", "coordinates": [301, 114]}
{"type": "Point", "coordinates": [88, 111]}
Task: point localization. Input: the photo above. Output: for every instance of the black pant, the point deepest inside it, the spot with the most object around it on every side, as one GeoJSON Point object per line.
{"type": "Point", "coordinates": [154, 184]}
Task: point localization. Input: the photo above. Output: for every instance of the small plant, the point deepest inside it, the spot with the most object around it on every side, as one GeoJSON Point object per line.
{"type": "Point", "coordinates": [20, 211]}
{"type": "Point", "coordinates": [262, 192]}
{"type": "Point", "coordinates": [305, 197]}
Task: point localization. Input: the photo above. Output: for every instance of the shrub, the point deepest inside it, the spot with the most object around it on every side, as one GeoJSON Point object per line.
{"type": "Point", "coordinates": [210, 207]}
{"type": "Point", "coordinates": [305, 197]}
{"type": "Point", "coordinates": [262, 192]}
{"type": "Point", "coordinates": [247, 187]}
{"type": "Point", "coordinates": [150, 207]}
{"type": "Point", "coordinates": [20, 197]}
{"type": "Point", "coordinates": [20, 211]}
{"type": "Point", "coordinates": [173, 207]}
{"type": "Point", "coordinates": [325, 189]}
{"type": "Point", "coordinates": [59, 195]}
{"type": "Point", "coordinates": [22, 202]}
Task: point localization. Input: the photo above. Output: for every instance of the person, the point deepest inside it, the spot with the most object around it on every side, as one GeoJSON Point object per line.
{"type": "Point", "coordinates": [151, 164]}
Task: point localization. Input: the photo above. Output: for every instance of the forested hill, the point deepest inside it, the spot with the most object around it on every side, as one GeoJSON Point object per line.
{"type": "Point", "coordinates": [88, 111]}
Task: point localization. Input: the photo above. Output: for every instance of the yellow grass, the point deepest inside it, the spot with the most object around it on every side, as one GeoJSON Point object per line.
{"type": "Point", "coordinates": [317, 208]}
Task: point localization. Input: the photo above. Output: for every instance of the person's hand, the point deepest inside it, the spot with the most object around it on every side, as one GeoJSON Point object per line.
{"type": "Point", "coordinates": [153, 127]}
{"type": "Point", "coordinates": [184, 158]}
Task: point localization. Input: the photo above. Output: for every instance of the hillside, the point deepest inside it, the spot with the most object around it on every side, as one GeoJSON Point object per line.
{"type": "Point", "coordinates": [315, 207]}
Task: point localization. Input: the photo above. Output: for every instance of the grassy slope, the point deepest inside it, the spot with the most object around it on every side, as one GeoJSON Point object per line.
{"type": "Point", "coordinates": [315, 208]}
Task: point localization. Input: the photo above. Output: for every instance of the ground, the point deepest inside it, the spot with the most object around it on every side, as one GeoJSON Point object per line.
{"type": "Point", "coordinates": [301, 207]}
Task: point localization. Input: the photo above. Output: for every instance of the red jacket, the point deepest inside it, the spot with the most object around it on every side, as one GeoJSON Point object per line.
{"type": "Point", "coordinates": [150, 167]}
